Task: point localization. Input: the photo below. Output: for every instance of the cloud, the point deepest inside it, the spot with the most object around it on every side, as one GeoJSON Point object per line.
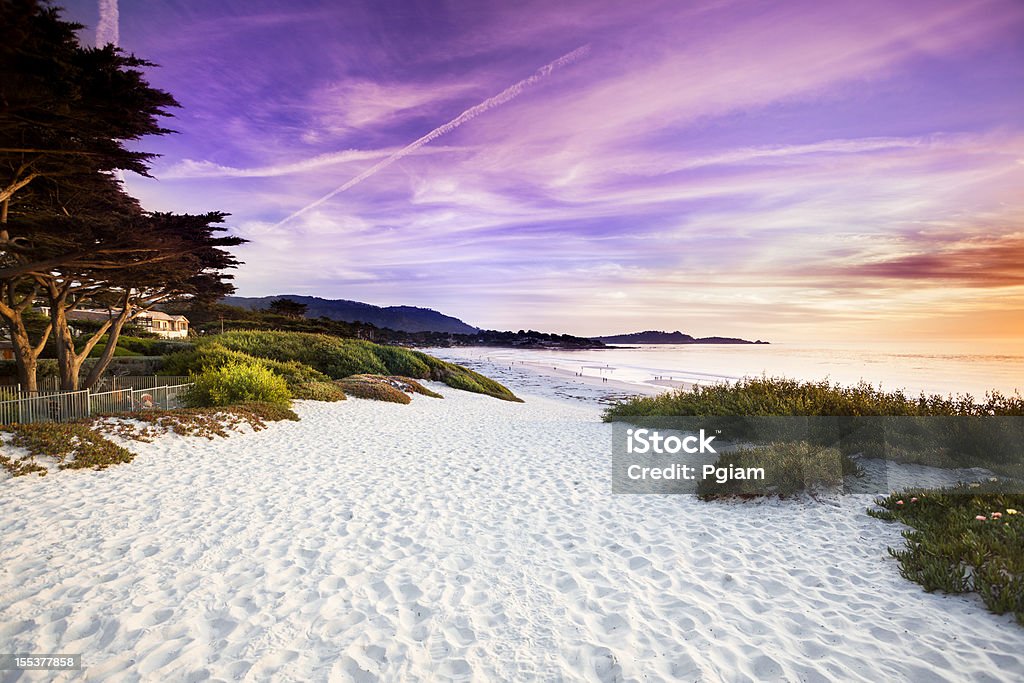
{"type": "Point", "coordinates": [362, 103]}
{"type": "Point", "coordinates": [975, 262]}
{"type": "Point", "coordinates": [190, 168]}
{"type": "Point", "coordinates": [501, 98]}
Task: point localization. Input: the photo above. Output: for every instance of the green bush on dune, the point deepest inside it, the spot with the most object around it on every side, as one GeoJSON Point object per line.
{"type": "Point", "coordinates": [781, 396]}
{"type": "Point", "coordinates": [318, 391]}
{"type": "Point", "coordinates": [964, 538]}
{"type": "Point", "coordinates": [789, 468]}
{"type": "Point", "coordinates": [237, 383]}
{"type": "Point", "coordinates": [930, 430]}
{"type": "Point", "coordinates": [373, 387]}
{"type": "Point", "coordinates": [305, 357]}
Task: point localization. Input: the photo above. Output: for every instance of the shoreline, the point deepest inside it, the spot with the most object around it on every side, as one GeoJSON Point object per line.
{"type": "Point", "coordinates": [549, 380]}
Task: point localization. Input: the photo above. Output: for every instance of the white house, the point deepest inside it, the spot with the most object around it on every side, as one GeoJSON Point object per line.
{"type": "Point", "coordinates": [161, 324]}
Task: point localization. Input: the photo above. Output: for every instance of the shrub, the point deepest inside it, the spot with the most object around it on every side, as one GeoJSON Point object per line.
{"type": "Point", "coordinates": [963, 538]}
{"type": "Point", "coordinates": [201, 357]}
{"type": "Point", "coordinates": [789, 468]}
{"type": "Point", "coordinates": [338, 357]}
{"type": "Point", "coordinates": [928, 430]}
{"type": "Point", "coordinates": [372, 387]}
{"type": "Point", "coordinates": [238, 383]}
{"type": "Point", "coordinates": [411, 386]}
{"type": "Point", "coordinates": [210, 356]}
{"type": "Point", "coordinates": [318, 391]}
{"type": "Point", "coordinates": [780, 396]}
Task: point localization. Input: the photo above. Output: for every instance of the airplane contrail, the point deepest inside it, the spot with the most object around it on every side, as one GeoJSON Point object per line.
{"type": "Point", "coordinates": [107, 27]}
{"type": "Point", "coordinates": [504, 96]}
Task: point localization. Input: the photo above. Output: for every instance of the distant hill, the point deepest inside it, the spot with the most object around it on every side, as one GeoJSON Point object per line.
{"type": "Point", "coordinates": [677, 337]}
{"type": "Point", "coordinates": [401, 318]}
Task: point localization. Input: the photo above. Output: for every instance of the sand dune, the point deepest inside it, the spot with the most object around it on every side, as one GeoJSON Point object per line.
{"type": "Point", "coordinates": [457, 539]}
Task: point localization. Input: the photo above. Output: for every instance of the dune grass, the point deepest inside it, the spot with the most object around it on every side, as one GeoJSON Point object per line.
{"type": "Point", "coordinates": [778, 396]}
{"type": "Point", "coordinates": [929, 430]}
{"type": "Point", "coordinates": [789, 468]}
{"type": "Point", "coordinates": [393, 389]}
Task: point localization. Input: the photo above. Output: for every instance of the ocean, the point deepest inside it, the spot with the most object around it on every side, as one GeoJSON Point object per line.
{"type": "Point", "coordinates": [942, 369]}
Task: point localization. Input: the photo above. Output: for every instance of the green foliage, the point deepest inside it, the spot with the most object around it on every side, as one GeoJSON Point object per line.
{"type": "Point", "coordinates": [931, 430]}
{"type": "Point", "coordinates": [75, 446]}
{"type": "Point", "coordinates": [373, 388]}
{"type": "Point", "coordinates": [288, 308]}
{"type": "Point", "coordinates": [211, 355]}
{"type": "Point", "coordinates": [969, 537]}
{"type": "Point", "coordinates": [411, 386]}
{"type": "Point", "coordinates": [318, 391]}
{"type": "Point", "coordinates": [337, 358]}
{"type": "Point", "coordinates": [789, 468]}
{"type": "Point", "coordinates": [238, 383]}
{"type": "Point", "coordinates": [780, 396]}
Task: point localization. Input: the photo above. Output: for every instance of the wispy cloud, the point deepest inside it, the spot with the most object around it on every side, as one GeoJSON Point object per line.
{"type": "Point", "coordinates": [191, 168]}
{"type": "Point", "coordinates": [801, 165]}
{"type": "Point", "coordinates": [504, 96]}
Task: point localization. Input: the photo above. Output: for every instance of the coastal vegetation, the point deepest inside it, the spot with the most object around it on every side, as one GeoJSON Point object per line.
{"type": "Point", "coordinates": [788, 468]}
{"type": "Point", "coordinates": [301, 358]}
{"type": "Point", "coordinates": [87, 444]}
{"type": "Point", "coordinates": [962, 539]}
{"type": "Point", "coordinates": [860, 420]}
{"type": "Point", "coordinates": [777, 396]}
{"type": "Point", "coordinates": [966, 538]}
{"type": "Point", "coordinates": [237, 383]}
{"type": "Point", "coordinates": [213, 318]}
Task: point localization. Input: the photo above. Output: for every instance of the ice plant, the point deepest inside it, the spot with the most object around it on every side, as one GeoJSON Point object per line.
{"type": "Point", "coordinates": [980, 518]}
{"type": "Point", "coordinates": [913, 500]}
{"type": "Point", "coordinates": [1011, 511]}
{"type": "Point", "coordinates": [997, 515]}
{"type": "Point", "coordinates": [899, 502]}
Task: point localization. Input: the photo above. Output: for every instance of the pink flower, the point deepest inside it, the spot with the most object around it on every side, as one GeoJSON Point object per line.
{"type": "Point", "coordinates": [913, 500]}
{"type": "Point", "coordinates": [997, 515]}
{"type": "Point", "coordinates": [980, 518]}
{"type": "Point", "coordinates": [899, 502]}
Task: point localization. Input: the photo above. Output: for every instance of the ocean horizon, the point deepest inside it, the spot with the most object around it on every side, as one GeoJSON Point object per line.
{"type": "Point", "coordinates": [911, 367]}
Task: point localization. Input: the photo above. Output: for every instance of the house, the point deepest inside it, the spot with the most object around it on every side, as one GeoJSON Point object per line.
{"type": "Point", "coordinates": [163, 324]}
{"type": "Point", "coordinates": [159, 323]}
{"type": "Point", "coordinates": [6, 350]}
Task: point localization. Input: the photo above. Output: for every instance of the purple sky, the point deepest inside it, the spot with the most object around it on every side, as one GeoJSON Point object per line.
{"type": "Point", "coordinates": [787, 170]}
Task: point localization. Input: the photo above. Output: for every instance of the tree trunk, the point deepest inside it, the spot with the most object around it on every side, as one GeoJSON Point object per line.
{"type": "Point", "coordinates": [103, 362]}
{"type": "Point", "coordinates": [25, 356]}
{"type": "Point", "coordinates": [68, 362]}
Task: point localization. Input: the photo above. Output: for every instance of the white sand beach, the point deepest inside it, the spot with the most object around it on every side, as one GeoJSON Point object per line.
{"type": "Point", "coordinates": [457, 539]}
